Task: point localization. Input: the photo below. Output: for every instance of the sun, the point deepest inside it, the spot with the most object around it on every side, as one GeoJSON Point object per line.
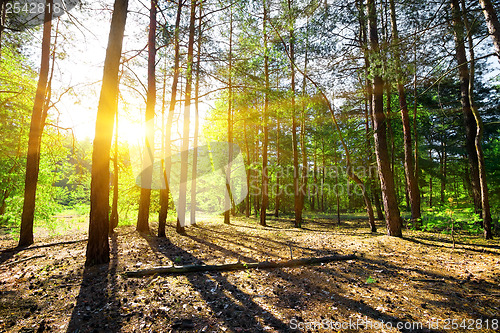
{"type": "Point", "coordinates": [131, 131]}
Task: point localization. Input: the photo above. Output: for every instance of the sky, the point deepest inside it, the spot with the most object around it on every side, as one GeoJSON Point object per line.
{"type": "Point", "coordinates": [82, 48]}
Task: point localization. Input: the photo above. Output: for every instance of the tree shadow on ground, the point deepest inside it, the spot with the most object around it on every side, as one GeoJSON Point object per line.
{"type": "Point", "coordinates": [97, 308]}
{"type": "Point", "coordinates": [309, 291]}
{"type": "Point", "coordinates": [229, 237]}
{"type": "Point", "coordinates": [236, 309]}
{"type": "Point", "coordinates": [427, 240]}
{"type": "Point", "coordinates": [7, 254]}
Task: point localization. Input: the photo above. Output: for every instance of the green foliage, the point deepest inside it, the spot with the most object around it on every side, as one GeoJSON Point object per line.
{"type": "Point", "coordinates": [441, 219]}
{"type": "Point", "coordinates": [17, 86]}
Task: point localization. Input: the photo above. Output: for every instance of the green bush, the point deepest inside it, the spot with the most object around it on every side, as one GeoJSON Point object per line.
{"type": "Point", "coordinates": [442, 219]}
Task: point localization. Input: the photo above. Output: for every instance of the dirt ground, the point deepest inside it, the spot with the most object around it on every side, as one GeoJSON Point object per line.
{"type": "Point", "coordinates": [416, 284]}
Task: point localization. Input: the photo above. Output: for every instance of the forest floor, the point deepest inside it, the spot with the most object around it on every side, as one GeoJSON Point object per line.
{"type": "Point", "coordinates": [416, 284]}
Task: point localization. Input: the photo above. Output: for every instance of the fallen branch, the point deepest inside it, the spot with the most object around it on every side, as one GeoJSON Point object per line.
{"type": "Point", "coordinates": [236, 266]}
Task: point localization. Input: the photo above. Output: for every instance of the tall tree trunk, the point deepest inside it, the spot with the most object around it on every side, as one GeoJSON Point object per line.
{"type": "Point", "coordinates": [278, 174]}
{"type": "Point", "coordinates": [2, 23]}
{"type": "Point", "coordinates": [164, 194]}
{"type": "Point", "coordinates": [323, 166]}
{"type": "Point", "coordinates": [369, 94]}
{"type": "Point", "coordinates": [337, 194]}
{"type": "Point", "coordinates": [390, 131]}
{"type": "Point", "coordinates": [305, 169]}
{"type": "Point", "coordinates": [149, 147]}
{"type": "Point", "coordinates": [181, 205]}
{"type": "Point", "coordinates": [194, 173]}
{"type": "Point", "coordinates": [113, 219]}
{"type": "Point", "coordinates": [227, 196]}
{"type": "Point", "coordinates": [315, 178]}
{"type": "Point", "coordinates": [469, 120]}
{"type": "Point", "coordinates": [265, 174]}
{"type": "Point", "coordinates": [98, 244]}
{"type": "Point", "coordinates": [248, 170]}
{"type": "Point", "coordinates": [35, 135]}
{"type": "Point", "coordinates": [162, 214]}
{"type": "Point", "coordinates": [393, 218]}
{"type": "Point", "coordinates": [411, 181]}
{"type": "Point", "coordinates": [493, 24]}
{"type": "Point", "coordinates": [256, 201]}
{"type": "Point", "coordinates": [485, 202]}
{"type": "Point", "coordinates": [444, 168]}
{"type": "Point", "coordinates": [415, 128]}
{"type": "Point", "coordinates": [296, 179]}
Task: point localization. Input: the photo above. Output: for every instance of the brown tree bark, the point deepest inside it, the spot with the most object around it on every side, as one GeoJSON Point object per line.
{"type": "Point", "coordinates": [323, 166]}
{"type": "Point", "coordinates": [315, 178]}
{"type": "Point", "coordinates": [392, 215]}
{"type": "Point", "coordinates": [368, 113]}
{"type": "Point", "coordinates": [305, 169]}
{"type": "Point", "coordinates": [493, 24]}
{"type": "Point", "coordinates": [265, 174]}
{"type": "Point", "coordinates": [2, 23]}
{"type": "Point", "coordinates": [278, 161]}
{"type": "Point", "coordinates": [227, 198]}
{"type": "Point", "coordinates": [248, 170]}
{"type": "Point", "coordinates": [444, 167]}
{"type": "Point", "coordinates": [469, 120]}
{"type": "Point", "coordinates": [149, 147]}
{"type": "Point", "coordinates": [411, 180]}
{"type": "Point", "coordinates": [164, 194]}
{"type": "Point", "coordinates": [194, 173]}
{"type": "Point", "coordinates": [296, 179]}
{"type": "Point", "coordinates": [485, 202]}
{"type": "Point", "coordinates": [35, 135]}
{"type": "Point", "coordinates": [181, 206]}
{"type": "Point", "coordinates": [98, 244]}
{"type": "Point", "coordinates": [113, 219]}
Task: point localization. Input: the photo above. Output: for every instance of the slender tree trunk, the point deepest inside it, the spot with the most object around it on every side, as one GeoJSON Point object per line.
{"type": "Point", "coordinates": [98, 244]}
{"type": "Point", "coordinates": [248, 170]}
{"type": "Point", "coordinates": [265, 174]}
{"type": "Point", "coordinates": [194, 174]}
{"type": "Point", "coordinates": [430, 181]}
{"type": "Point", "coordinates": [227, 197]}
{"type": "Point", "coordinates": [256, 201]}
{"type": "Point", "coordinates": [415, 131]}
{"type": "Point", "coordinates": [315, 178]}
{"type": "Point", "coordinates": [2, 23]}
{"type": "Point", "coordinates": [149, 147]}
{"type": "Point", "coordinates": [113, 219]}
{"type": "Point", "coordinates": [323, 166]}
{"type": "Point", "coordinates": [411, 181]}
{"type": "Point", "coordinates": [485, 202]}
{"type": "Point", "coordinates": [493, 24]}
{"type": "Point", "coordinates": [393, 218]}
{"type": "Point", "coordinates": [390, 131]}
{"type": "Point", "coordinates": [443, 169]}
{"type": "Point", "coordinates": [296, 179]}
{"type": "Point", "coordinates": [278, 174]}
{"type": "Point", "coordinates": [164, 194]}
{"type": "Point", "coordinates": [305, 169]}
{"type": "Point", "coordinates": [163, 191]}
{"type": "Point", "coordinates": [181, 206]}
{"type": "Point", "coordinates": [35, 135]}
{"type": "Point", "coordinates": [369, 96]}
{"type": "Point", "coordinates": [337, 195]}
{"type": "Point", "coordinates": [469, 121]}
